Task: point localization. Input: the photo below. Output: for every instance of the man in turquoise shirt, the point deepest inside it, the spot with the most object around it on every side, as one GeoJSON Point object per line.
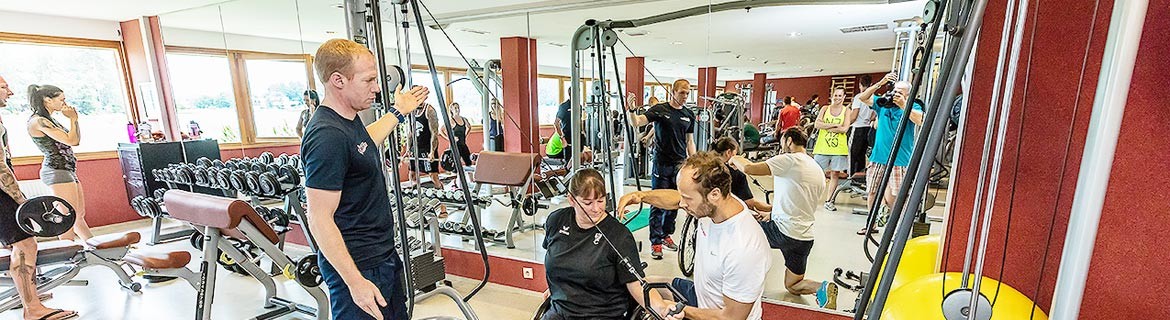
{"type": "Point", "coordinates": [888, 120]}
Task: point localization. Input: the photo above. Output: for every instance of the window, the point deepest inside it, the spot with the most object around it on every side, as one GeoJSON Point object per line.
{"type": "Point", "coordinates": [548, 98]}
{"type": "Point", "coordinates": [469, 99]}
{"type": "Point", "coordinates": [93, 82]}
{"type": "Point", "coordinates": [423, 78]}
{"type": "Point", "coordinates": [202, 85]}
{"type": "Point", "coordinates": [276, 89]}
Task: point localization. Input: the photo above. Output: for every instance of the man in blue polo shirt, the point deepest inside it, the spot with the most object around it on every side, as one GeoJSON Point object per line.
{"type": "Point", "coordinates": [888, 119]}
{"type": "Point", "coordinates": [349, 210]}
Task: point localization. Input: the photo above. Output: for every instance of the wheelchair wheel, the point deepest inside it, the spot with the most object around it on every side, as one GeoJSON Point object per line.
{"type": "Point", "coordinates": [686, 247]}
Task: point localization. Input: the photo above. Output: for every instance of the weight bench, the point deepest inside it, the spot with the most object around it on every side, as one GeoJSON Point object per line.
{"type": "Point", "coordinates": [221, 218]}
{"type": "Point", "coordinates": [67, 258]}
{"type": "Point", "coordinates": [514, 171]}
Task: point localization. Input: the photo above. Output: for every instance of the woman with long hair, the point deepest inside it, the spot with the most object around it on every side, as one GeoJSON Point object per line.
{"type": "Point", "coordinates": [311, 101]}
{"type": "Point", "coordinates": [56, 142]}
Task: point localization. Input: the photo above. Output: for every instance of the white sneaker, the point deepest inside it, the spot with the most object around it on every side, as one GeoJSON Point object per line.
{"type": "Point", "coordinates": [830, 206]}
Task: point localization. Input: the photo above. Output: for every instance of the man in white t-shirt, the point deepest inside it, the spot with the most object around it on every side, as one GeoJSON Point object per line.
{"type": "Point", "coordinates": [798, 183]}
{"type": "Point", "coordinates": [731, 250]}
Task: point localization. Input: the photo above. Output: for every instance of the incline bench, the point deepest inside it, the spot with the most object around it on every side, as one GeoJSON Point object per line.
{"type": "Point", "coordinates": [220, 218]}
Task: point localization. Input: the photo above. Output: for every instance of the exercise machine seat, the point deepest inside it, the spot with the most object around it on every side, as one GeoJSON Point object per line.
{"type": "Point", "coordinates": [505, 168]}
{"type": "Point", "coordinates": [114, 240]}
{"type": "Point", "coordinates": [47, 253]}
{"type": "Point", "coordinates": [151, 260]}
{"type": "Point", "coordinates": [216, 212]}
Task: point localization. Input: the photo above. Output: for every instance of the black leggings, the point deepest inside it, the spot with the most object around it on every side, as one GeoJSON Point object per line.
{"type": "Point", "coordinates": [464, 153]}
{"type": "Point", "coordinates": [859, 144]}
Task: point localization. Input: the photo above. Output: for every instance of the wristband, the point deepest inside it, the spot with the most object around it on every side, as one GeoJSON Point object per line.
{"type": "Point", "coordinates": [397, 114]}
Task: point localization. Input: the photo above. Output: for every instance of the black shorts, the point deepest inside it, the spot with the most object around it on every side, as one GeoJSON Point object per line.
{"type": "Point", "coordinates": [10, 232]}
{"type": "Point", "coordinates": [795, 251]}
{"type": "Point", "coordinates": [420, 164]}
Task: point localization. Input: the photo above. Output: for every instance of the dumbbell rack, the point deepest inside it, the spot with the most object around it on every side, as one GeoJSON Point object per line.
{"type": "Point", "coordinates": [454, 199]}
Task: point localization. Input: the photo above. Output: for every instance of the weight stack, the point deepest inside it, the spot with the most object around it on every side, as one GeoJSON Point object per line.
{"type": "Point", "coordinates": [427, 270]}
{"type": "Point", "coordinates": [919, 229]}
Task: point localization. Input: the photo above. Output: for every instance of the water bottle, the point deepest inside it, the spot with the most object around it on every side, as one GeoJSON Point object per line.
{"type": "Point", "coordinates": [132, 132]}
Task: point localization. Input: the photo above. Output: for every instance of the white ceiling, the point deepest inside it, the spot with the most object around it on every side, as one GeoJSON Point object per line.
{"type": "Point", "coordinates": [672, 49]}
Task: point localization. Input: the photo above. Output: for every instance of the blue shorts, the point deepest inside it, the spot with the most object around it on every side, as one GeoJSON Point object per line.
{"type": "Point", "coordinates": [687, 288]}
{"type": "Point", "coordinates": [387, 276]}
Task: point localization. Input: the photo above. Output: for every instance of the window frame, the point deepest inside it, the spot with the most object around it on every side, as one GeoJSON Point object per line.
{"type": "Point", "coordinates": [123, 68]}
{"type": "Point", "coordinates": [237, 60]}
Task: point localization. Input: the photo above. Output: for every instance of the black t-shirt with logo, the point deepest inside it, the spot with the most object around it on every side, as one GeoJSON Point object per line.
{"type": "Point", "coordinates": [671, 129]}
{"type": "Point", "coordinates": [739, 184]}
{"type": "Point", "coordinates": [339, 155]}
{"type": "Point", "coordinates": [586, 278]}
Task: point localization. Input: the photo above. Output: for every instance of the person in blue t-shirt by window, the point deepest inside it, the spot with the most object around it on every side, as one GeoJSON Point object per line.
{"type": "Point", "coordinates": [889, 116]}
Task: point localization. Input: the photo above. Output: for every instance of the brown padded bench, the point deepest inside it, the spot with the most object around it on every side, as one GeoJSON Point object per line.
{"type": "Point", "coordinates": [154, 260]}
{"type": "Point", "coordinates": [207, 210]}
{"type": "Point", "coordinates": [47, 253]}
{"type": "Point", "coordinates": [114, 240]}
{"type": "Point", "coordinates": [505, 168]}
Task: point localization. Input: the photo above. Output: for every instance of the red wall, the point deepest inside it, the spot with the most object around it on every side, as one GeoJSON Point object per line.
{"type": "Point", "coordinates": [800, 88]}
{"type": "Point", "coordinates": [1044, 145]}
{"type": "Point", "coordinates": [1131, 241]}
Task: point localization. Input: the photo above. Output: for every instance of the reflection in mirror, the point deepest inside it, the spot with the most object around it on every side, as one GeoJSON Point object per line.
{"type": "Point", "coordinates": [741, 65]}
{"type": "Point", "coordinates": [242, 79]}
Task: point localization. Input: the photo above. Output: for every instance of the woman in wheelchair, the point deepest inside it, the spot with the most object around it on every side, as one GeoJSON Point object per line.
{"type": "Point", "coordinates": [592, 259]}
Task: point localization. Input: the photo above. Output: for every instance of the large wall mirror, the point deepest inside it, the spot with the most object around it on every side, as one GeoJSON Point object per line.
{"type": "Point", "coordinates": [239, 69]}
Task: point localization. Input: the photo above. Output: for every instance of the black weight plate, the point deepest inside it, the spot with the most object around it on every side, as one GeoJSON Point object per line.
{"type": "Point", "coordinates": [199, 177]}
{"type": "Point", "coordinates": [279, 218]}
{"type": "Point", "coordinates": [266, 157]}
{"type": "Point", "coordinates": [217, 163]}
{"type": "Point", "coordinates": [158, 193]}
{"type": "Point", "coordinates": [236, 179]}
{"type": "Point", "coordinates": [45, 216]}
{"type": "Point", "coordinates": [152, 207]}
{"type": "Point", "coordinates": [256, 166]}
{"type": "Point", "coordinates": [221, 178]}
{"type": "Point", "coordinates": [232, 164]}
{"type": "Point", "coordinates": [186, 175]}
{"type": "Point", "coordinates": [252, 182]}
{"type": "Point", "coordinates": [136, 204]}
{"type": "Point", "coordinates": [196, 241]}
{"type": "Point", "coordinates": [203, 162]}
{"type": "Point", "coordinates": [268, 183]}
{"type": "Point", "coordinates": [308, 272]}
{"type": "Point", "coordinates": [290, 175]}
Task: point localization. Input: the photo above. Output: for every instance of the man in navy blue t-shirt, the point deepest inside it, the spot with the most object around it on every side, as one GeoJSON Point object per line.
{"type": "Point", "coordinates": [674, 128]}
{"type": "Point", "coordinates": [349, 208]}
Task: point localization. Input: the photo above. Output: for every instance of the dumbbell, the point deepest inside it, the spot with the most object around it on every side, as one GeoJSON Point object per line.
{"type": "Point", "coordinates": [266, 157]}
{"type": "Point", "coordinates": [223, 178]}
{"type": "Point", "coordinates": [199, 176]}
{"type": "Point", "coordinates": [203, 162]}
{"type": "Point", "coordinates": [270, 182]}
{"type": "Point", "coordinates": [252, 182]}
{"type": "Point", "coordinates": [237, 181]}
{"type": "Point", "coordinates": [217, 163]}
{"type": "Point", "coordinates": [282, 159]}
{"type": "Point", "coordinates": [158, 193]}
{"type": "Point", "coordinates": [212, 174]}
{"type": "Point", "coordinates": [184, 175]}
{"type": "Point", "coordinates": [296, 161]}
{"type": "Point", "coordinates": [136, 204]}
{"type": "Point", "coordinates": [232, 164]}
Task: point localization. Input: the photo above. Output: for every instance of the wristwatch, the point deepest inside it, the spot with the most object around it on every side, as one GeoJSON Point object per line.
{"type": "Point", "coordinates": [394, 111]}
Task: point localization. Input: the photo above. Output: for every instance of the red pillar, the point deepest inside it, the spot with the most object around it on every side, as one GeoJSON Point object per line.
{"type": "Point", "coordinates": [706, 85]}
{"type": "Point", "coordinates": [518, 61]}
{"type": "Point", "coordinates": [636, 77]}
{"type": "Point", "coordinates": [759, 86]}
